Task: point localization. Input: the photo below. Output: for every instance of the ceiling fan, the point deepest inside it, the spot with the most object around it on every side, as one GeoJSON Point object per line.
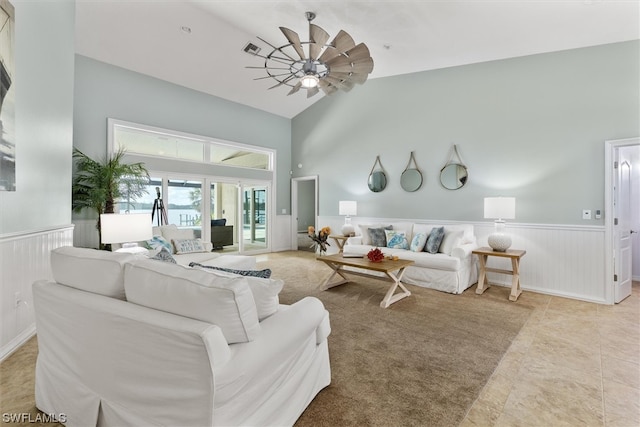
{"type": "Point", "coordinates": [338, 65]}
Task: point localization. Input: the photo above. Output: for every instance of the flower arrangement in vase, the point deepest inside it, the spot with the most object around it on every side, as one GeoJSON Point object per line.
{"type": "Point", "coordinates": [319, 240]}
{"type": "Point", "coordinates": [375, 255]}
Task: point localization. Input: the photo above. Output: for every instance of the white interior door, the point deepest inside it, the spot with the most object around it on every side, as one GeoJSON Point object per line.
{"type": "Point", "coordinates": [622, 229]}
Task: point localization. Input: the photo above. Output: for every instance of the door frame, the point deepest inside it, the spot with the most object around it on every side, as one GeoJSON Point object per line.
{"type": "Point", "coordinates": [294, 206]}
{"type": "Point", "coordinates": [609, 179]}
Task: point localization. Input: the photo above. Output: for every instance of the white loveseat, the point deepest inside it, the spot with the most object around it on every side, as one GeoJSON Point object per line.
{"type": "Point", "coordinates": [201, 252]}
{"type": "Point", "coordinates": [452, 269]}
{"type": "Point", "coordinates": [130, 341]}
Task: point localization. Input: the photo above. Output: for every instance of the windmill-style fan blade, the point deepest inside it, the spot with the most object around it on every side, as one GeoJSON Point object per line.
{"type": "Point", "coordinates": [282, 82]}
{"type": "Point", "coordinates": [326, 87]}
{"type": "Point", "coordinates": [358, 53]}
{"type": "Point", "coordinates": [359, 78]}
{"type": "Point", "coordinates": [295, 88]}
{"type": "Point", "coordinates": [341, 43]}
{"type": "Point", "coordinates": [312, 91]}
{"type": "Point", "coordinates": [345, 65]}
{"type": "Point", "coordinates": [317, 38]}
{"type": "Point", "coordinates": [364, 66]}
{"type": "Point", "coordinates": [294, 39]}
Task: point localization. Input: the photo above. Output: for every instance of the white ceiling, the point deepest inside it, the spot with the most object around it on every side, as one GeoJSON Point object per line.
{"type": "Point", "coordinates": [403, 36]}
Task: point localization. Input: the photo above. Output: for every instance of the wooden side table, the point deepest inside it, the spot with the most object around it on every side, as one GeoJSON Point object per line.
{"type": "Point", "coordinates": [340, 241]}
{"type": "Point", "coordinates": [514, 255]}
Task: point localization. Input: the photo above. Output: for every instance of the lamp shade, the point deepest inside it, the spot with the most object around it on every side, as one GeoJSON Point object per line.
{"type": "Point", "coordinates": [348, 207]}
{"type": "Point", "coordinates": [123, 228]}
{"type": "Point", "coordinates": [500, 207]}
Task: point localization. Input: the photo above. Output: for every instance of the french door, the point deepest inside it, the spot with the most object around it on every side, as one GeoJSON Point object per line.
{"type": "Point", "coordinates": [255, 208]}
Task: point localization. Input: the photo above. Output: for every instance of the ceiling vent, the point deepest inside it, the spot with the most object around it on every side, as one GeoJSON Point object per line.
{"type": "Point", "coordinates": [251, 48]}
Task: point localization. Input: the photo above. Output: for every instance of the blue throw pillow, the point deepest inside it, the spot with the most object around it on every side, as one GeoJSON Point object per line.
{"type": "Point", "coordinates": [396, 240]}
{"type": "Point", "coordinates": [265, 274]}
{"type": "Point", "coordinates": [418, 242]}
{"type": "Point", "coordinates": [157, 242]}
{"type": "Point", "coordinates": [164, 255]}
{"type": "Point", "coordinates": [434, 240]}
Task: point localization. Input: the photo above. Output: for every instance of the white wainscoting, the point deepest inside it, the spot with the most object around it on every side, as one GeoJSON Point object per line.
{"type": "Point", "coordinates": [562, 260]}
{"type": "Point", "coordinates": [281, 236]}
{"type": "Point", "coordinates": [25, 259]}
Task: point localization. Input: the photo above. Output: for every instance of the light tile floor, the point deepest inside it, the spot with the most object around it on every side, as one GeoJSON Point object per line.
{"type": "Point", "coordinates": [573, 364]}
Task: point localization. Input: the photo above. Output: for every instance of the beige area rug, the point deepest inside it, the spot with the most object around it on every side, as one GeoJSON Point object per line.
{"type": "Point", "coordinates": [421, 362]}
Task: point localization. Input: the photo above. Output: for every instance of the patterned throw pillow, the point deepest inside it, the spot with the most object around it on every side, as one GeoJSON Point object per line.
{"type": "Point", "coordinates": [377, 236]}
{"type": "Point", "coordinates": [158, 242]}
{"type": "Point", "coordinates": [164, 255]}
{"type": "Point", "coordinates": [418, 242]}
{"type": "Point", "coordinates": [188, 246]}
{"type": "Point", "coordinates": [265, 274]}
{"type": "Point", "coordinates": [396, 239]}
{"type": "Point", "coordinates": [434, 240]}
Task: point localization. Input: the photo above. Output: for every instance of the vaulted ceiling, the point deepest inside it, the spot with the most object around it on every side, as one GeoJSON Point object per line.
{"type": "Point", "coordinates": [199, 44]}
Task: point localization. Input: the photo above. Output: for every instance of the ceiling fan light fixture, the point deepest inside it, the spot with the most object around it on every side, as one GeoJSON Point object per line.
{"type": "Point", "coordinates": [309, 80]}
{"type": "Point", "coordinates": [316, 65]}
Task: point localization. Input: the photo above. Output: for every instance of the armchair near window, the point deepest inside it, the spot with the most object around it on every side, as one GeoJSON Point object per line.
{"type": "Point", "coordinates": [221, 233]}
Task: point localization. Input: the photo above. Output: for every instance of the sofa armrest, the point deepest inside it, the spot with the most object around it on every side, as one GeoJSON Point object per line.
{"type": "Point", "coordinates": [354, 240]}
{"type": "Point", "coordinates": [208, 246]}
{"type": "Point", "coordinates": [463, 251]}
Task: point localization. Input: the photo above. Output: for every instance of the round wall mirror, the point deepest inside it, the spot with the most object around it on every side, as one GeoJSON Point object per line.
{"type": "Point", "coordinates": [377, 181]}
{"type": "Point", "coordinates": [411, 180]}
{"type": "Point", "coordinates": [453, 176]}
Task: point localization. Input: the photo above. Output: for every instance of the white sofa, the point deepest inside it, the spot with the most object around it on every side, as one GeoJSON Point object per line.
{"type": "Point", "coordinates": [130, 341]}
{"type": "Point", "coordinates": [452, 269]}
{"type": "Point", "coordinates": [200, 253]}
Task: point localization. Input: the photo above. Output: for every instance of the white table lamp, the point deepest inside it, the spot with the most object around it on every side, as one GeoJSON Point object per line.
{"type": "Point", "coordinates": [499, 208]}
{"type": "Point", "coordinates": [348, 208]}
{"type": "Point", "coordinates": [126, 229]}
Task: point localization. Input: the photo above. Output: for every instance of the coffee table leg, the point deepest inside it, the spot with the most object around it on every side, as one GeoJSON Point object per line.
{"type": "Point", "coordinates": [336, 270]}
{"type": "Point", "coordinates": [390, 298]}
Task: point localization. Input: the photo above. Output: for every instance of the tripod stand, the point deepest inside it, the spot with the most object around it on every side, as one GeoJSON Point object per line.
{"type": "Point", "coordinates": [158, 207]}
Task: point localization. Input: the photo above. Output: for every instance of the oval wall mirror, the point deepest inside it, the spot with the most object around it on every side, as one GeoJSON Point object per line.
{"type": "Point", "coordinates": [411, 178]}
{"type": "Point", "coordinates": [453, 176]}
{"type": "Point", "coordinates": [377, 181]}
{"type": "Point", "coordinates": [377, 177]}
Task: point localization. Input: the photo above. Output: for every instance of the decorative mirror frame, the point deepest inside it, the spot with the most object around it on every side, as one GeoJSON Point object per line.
{"type": "Point", "coordinates": [407, 180]}
{"type": "Point", "coordinates": [380, 173]}
{"type": "Point", "coordinates": [457, 164]}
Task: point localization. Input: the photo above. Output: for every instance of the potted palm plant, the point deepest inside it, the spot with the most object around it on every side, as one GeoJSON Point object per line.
{"type": "Point", "coordinates": [98, 185]}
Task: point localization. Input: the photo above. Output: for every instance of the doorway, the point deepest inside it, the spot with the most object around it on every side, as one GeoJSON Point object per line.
{"type": "Point", "coordinates": [304, 210]}
{"type": "Point", "coordinates": [622, 201]}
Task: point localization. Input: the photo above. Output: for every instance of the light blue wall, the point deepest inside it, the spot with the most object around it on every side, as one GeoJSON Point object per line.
{"type": "Point", "coordinates": [532, 127]}
{"type": "Point", "coordinates": [44, 55]}
{"type": "Point", "coordinates": [104, 91]}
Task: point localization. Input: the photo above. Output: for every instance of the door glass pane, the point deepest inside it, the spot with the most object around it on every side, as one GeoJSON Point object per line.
{"type": "Point", "coordinates": [142, 204]}
{"type": "Point", "coordinates": [184, 204]}
{"type": "Point", "coordinates": [254, 217]}
{"type": "Point", "coordinates": [224, 216]}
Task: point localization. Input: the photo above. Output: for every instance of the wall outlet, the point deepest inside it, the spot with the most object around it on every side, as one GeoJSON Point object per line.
{"type": "Point", "coordinates": [598, 214]}
{"type": "Point", "coordinates": [586, 214]}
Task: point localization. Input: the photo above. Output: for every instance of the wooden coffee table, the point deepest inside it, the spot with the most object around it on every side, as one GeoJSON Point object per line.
{"type": "Point", "coordinates": [393, 270]}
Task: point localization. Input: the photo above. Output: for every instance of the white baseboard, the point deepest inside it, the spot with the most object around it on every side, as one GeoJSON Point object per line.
{"type": "Point", "coordinates": [17, 342]}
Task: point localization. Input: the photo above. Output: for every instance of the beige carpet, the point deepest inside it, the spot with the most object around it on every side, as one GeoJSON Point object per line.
{"type": "Point", "coordinates": [421, 362]}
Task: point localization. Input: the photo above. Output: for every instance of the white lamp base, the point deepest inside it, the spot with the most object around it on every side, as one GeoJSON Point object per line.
{"type": "Point", "coordinates": [348, 230]}
{"type": "Point", "coordinates": [499, 242]}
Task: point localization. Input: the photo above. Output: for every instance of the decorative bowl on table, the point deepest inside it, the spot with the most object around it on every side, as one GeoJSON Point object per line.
{"type": "Point", "coordinates": [375, 255]}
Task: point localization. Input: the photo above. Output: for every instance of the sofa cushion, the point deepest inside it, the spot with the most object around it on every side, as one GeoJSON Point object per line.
{"type": "Point", "coordinates": [450, 240]}
{"type": "Point", "coordinates": [164, 255]}
{"type": "Point", "coordinates": [434, 240]}
{"type": "Point", "coordinates": [265, 290]}
{"type": "Point", "coordinates": [265, 273]}
{"type": "Point", "coordinates": [224, 301]}
{"type": "Point", "coordinates": [188, 246]}
{"type": "Point", "coordinates": [364, 231]}
{"type": "Point", "coordinates": [157, 242]}
{"type": "Point", "coordinates": [91, 270]}
{"type": "Point", "coordinates": [418, 242]}
{"type": "Point", "coordinates": [396, 239]}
